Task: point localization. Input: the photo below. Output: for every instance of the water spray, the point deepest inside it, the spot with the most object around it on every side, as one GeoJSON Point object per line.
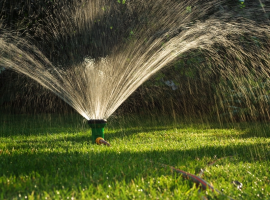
{"type": "Point", "coordinates": [97, 126]}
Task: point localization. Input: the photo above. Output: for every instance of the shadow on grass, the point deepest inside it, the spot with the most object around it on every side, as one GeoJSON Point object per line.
{"type": "Point", "coordinates": [26, 125]}
{"type": "Point", "coordinates": [124, 126]}
{"type": "Point", "coordinates": [30, 125]}
{"type": "Point", "coordinates": [83, 138]}
{"type": "Point", "coordinates": [70, 165]}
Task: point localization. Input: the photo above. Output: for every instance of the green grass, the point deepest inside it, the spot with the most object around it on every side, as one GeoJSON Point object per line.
{"type": "Point", "coordinates": [51, 157]}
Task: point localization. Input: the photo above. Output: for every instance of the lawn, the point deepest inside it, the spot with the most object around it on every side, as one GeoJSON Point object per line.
{"type": "Point", "coordinates": [52, 157]}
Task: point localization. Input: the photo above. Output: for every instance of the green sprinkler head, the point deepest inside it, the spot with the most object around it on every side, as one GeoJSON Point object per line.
{"type": "Point", "coordinates": [97, 126]}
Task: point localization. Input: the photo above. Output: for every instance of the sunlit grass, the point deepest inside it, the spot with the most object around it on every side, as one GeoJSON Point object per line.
{"type": "Point", "coordinates": [52, 157]}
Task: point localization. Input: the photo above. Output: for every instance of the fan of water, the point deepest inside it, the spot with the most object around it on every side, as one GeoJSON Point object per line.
{"type": "Point", "coordinates": [96, 77]}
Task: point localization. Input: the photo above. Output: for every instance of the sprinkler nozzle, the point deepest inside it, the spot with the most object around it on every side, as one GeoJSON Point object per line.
{"type": "Point", "coordinates": [100, 141]}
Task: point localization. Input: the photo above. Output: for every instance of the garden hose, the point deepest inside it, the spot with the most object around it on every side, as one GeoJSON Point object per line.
{"type": "Point", "coordinates": [197, 179]}
{"type": "Point", "coordinates": [212, 163]}
{"type": "Point", "coordinates": [100, 141]}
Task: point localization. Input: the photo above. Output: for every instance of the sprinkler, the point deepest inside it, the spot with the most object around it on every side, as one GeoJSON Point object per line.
{"type": "Point", "coordinates": [97, 126]}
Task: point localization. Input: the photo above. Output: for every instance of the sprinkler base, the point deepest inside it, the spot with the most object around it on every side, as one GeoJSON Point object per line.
{"type": "Point", "coordinates": [97, 126]}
